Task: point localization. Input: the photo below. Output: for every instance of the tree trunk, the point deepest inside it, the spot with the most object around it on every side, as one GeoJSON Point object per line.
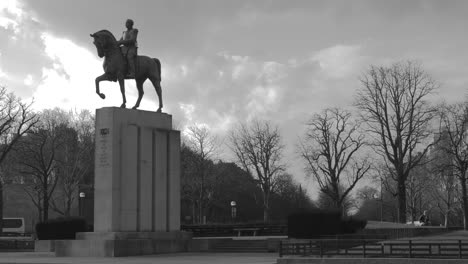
{"type": "Point", "coordinates": [447, 213]}
{"type": "Point", "coordinates": [45, 204]}
{"type": "Point", "coordinates": [265, 214]}
{"type": "Point", "coordinates": [200, 211]}
{"type": "Point", "coordinates": [67, 210]}
{"type": "Point", "coordinates": [1, 207]}
{"type": "Point", "coordinates": [193, 213]}
{"type": "Point", "coordinates": [266, 208]}
{"type": "Point", "coordinates": [401, 201]}
{"type": "Point", "coordinates": [464, 200]}
{"type": "Point", "coordinates": [339, 206]}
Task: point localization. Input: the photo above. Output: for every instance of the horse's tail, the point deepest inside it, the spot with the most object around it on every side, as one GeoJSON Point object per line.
{"type": "Point", "coordinates": [158, 64]}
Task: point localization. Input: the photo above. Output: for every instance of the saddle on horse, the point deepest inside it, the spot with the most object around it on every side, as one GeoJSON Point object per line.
{"type": "Point", "coordinates": [130, 61]}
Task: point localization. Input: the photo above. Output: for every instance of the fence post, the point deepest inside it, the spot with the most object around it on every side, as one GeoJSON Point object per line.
{"type": "Point", "coordinates": [459, 249]}
{"type": "Point", "coordinates": [337, 245]}
{"type": "Point", "coordinates": [382, 249]}
{"type": "Point", "coordinates": [410, 247]}
{"type": "Point", "coordinates": [310, 247]}
{"type": "Point", "coordinates": [281, 249]}
{"type": "Point", "coordinates": [320, 247]}
{"type": "Point", "coordinates": [364, 248]}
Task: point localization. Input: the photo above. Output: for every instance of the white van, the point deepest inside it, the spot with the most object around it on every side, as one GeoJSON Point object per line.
{"type": "Point", "coordinates": [13, 225]}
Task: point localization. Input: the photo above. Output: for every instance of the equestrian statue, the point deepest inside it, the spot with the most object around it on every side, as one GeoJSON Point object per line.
{"type": "Point", "coordinates": [122, 62]}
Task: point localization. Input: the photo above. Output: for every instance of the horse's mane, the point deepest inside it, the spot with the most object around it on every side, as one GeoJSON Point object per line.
{"type": "Point", "coordinates": [108, 33]}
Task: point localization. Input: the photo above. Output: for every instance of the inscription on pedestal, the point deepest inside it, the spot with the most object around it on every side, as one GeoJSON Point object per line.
{"type": "Point", "coordinates": [103, 152]}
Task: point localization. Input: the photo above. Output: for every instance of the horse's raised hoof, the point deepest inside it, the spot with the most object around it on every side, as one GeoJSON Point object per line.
{"type": "Point", "coordinates": [103, 96]}
{"type": "Point", "coordinates": [159, 110]}
{"type": "Point", "coordinates": [123, 106]}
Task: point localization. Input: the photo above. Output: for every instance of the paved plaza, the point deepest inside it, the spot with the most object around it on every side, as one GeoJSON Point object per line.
{"type": "Point", "coordinates": [176, 258]}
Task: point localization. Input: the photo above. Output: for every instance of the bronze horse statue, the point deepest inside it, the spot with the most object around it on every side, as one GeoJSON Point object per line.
{"type": "Point", "coordinates": [115, 68]}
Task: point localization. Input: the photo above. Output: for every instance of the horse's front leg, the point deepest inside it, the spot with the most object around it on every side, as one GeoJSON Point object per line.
{"type": "Point", "coordinates": [122, 90]}
{"type": "Point", "coordinates": [98, 80]}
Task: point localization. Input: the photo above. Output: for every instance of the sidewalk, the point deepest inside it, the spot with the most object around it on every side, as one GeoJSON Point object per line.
{"type": "Point", "coordinates": [179, 258]}
{"type": "Point", "coordinates": [450, 235]}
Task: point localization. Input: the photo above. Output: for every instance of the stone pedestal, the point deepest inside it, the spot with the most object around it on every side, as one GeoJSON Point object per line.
{"type": "Point", "coordinates": [137, 187]}
{"type": "Point", "coordinates": [137, 184]}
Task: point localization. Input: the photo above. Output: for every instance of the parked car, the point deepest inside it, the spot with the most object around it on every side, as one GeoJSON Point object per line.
{"type": "Point", "coordinates": [13, 225]}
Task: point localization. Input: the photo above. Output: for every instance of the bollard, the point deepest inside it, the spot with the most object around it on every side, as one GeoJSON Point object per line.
{"type": "Point", "coordinates": [364, 248]}
{"type": "Point", "coordinates": [410, 245]}
{"type": "Point", "coordinates": [281, 249]}
{"type": "Point", "coordinates": [459, 249]}
{"type": "Point", "coordinates": [321, 250]}
{"type": "Point", "coordinates": [310, 247]}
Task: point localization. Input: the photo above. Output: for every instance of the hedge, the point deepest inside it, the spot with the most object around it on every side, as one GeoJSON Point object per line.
{"type": "Point", "coordinates": [317, 223]}
{"type": "Point", "coordinates": [60, 228]}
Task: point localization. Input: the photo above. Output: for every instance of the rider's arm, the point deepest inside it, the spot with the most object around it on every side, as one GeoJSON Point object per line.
{"type": "Point", "coordinates": [132, 40]}
{"type": "Point", "coordinates": [119, 42]}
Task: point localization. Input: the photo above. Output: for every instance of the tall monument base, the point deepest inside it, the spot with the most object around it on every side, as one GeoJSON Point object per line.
{"type": "Point", "coordinates": [137, 187]}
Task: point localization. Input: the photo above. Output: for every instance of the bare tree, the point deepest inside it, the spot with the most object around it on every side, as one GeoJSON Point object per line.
{"type": "Point", "coordinates": [330, 149]}
{"type": "Point", "coordinates": [75, 161]}
{"type": "Point", "coordinates": [392, 102]}
{"type": "Point", "coordinates": [443, 183]}
{"type": "Point", "coordinates": [325, 202]}
{"type": "Point", "coordinates": [454, 125]}
{"type": "Point", "coordinates": [204, 145]}
{"type": "Point", "coordinates": [39, 153]}
{"type": "Point", "coordinates": [258, 149]}
{"type": "Point", "coordinates": [16, 119]}
{"type": "Point", "coordinates": [417, 191]}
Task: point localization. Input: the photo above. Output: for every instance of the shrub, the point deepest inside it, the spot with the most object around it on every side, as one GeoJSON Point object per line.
{"type": "Point", "coordinates": [60, 228]}
{"type": "Point", "coordinates": [318, 223]}
{"type": "Point", "coordinates": [351, 225]}
{"type": "Point", "coordinates": [313, 224]}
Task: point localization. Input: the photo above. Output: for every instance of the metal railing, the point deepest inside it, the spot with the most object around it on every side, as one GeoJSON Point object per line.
{"type": "Point", "coordinates": [378, 249]}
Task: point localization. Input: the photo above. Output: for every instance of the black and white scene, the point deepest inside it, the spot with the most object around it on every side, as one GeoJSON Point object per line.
{"type": "Point", "coordinates": [247, 131]}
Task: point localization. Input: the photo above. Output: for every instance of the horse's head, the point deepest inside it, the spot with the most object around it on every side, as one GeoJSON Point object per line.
{"type": "Point", "coordinates": [104, 41]}
{"type": "Point", "coordinates": [99, 43]}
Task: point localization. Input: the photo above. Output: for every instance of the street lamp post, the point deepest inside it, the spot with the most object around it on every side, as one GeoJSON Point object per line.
{"type": "Point", "coordinates": [81, 203]}
{"type": "Point", "coordinates": [381, 199]}
{"type": "Point", "coordinates": [233, 210]}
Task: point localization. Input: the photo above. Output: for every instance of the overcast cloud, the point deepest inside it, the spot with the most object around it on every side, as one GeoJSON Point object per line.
{"type": "Point", "coordinates": [230, 61]}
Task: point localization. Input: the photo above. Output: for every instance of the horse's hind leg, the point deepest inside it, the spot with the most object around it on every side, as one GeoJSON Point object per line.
{"type": "Point", "coordinates": [139, 84]}
{"type": "Point", "coordinates": [157, 86]}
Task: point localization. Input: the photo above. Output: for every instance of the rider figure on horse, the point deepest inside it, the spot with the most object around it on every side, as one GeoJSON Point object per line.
{"type": "Point", "coordinates": [129, 44]}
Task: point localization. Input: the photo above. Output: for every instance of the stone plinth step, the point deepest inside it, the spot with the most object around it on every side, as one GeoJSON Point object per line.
{"type": "Point", "coordinates": [242, 246]}
{"type": "Point", "coordinates": [117, 248]}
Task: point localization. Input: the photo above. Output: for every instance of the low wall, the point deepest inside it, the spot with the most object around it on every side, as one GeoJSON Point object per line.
{"type": "Point", "coordinates": [205, 244]}
{"type": "Point", "coordinates": [367, 261]}
{"type": "Point", "coordinates": [397, 233]}
{"type": "Point", "coordinates": [44, 245]}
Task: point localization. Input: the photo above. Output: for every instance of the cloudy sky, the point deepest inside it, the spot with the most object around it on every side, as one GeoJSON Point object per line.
{"type": "Point", "coordinates": [228, 61]}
